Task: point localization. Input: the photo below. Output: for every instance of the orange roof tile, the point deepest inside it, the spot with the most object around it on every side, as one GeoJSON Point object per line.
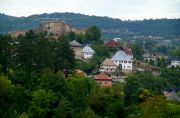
{"type": "Point", "coordinates": [103, 77]}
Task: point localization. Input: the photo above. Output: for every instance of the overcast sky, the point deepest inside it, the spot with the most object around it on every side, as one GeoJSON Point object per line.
{"type": "Point", "coordinates": [123, 9]}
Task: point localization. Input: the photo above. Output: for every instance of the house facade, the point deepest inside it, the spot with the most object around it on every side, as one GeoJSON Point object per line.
{"type": "Point", "coordinates": [107, 66]}
{"type": "Point", "coordinates": [175, 62]}
{"type": "Point", "coordinates": [77, 48]}
{"type": "Point", "coordinates": [149, 57]}
{"type": "Point", "coordinates": [120, 58]}
{"type": "Point", "coordinates": [87, 52]}
{"type": "Point", "coordinates": [103, 80]}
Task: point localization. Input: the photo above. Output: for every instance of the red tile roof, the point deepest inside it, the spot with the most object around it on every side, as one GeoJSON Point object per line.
{"type": "Point", "coordinates": [127, 50]}
{"type": "Point", "coordinates": [112, 43]}
{"type": "Point", "coordinates": [102, 77]}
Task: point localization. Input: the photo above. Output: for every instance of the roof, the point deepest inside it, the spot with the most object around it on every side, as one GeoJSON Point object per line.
{"type": "Point", "coordinates": [120, 56]}
{"type": "Point", "coordinates": [102, 76]}
{"type": "Point", "coordinates": [108, 62]}
{"type": "Point", "coordinates": [87, 49]}
{"type": "Point", "coordinates": [112, 43]}
{"type": "Point", "coordinates": [171, 95]}
{"type": "Point", "coordinates": [127, 50]}
{"type": "Point", "coordinates": [75, 43]}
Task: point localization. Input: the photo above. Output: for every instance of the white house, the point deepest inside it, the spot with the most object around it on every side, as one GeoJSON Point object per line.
{"type": "Point", "coordinates": [107, 66]}
{"type": "Point", "coordinates": [121, 58]}
{"type": "Point", "coordinates": [175, 62]}
{"type": "Point", "coordinates": [87, 52]}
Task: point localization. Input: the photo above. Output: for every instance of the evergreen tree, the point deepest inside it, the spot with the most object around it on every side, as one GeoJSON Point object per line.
{"type": "Point", "coordinates": [4, 52]}
{"type": "Point", "coordinates": [65, 59]}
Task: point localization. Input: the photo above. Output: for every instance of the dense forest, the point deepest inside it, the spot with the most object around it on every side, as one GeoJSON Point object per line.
{"type": "Point", "coordinates": [38, 80]}
{"type": "Point", "coordinates": [110, 27]}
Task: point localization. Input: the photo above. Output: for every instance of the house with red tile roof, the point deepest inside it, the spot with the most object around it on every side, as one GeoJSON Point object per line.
{"type": "Point", "coordinates": [128, 51]}
{"type": "Point", "coordinates": [103, 79]}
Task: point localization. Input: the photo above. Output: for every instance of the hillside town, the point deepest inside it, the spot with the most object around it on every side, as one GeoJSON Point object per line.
{"type": "Point", "coordinates": [59, 71]}
{"type": "Point", "coordinates": [121, 60]}
{"type": "Point", "coordinates": [89, 58]}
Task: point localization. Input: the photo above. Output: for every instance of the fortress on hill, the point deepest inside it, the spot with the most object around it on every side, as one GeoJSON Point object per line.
{"type": "Point", "coordinates": [54, 28]}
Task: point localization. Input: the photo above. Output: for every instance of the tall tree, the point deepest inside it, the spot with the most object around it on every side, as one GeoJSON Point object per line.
{"type": "Point", "coordinates": [4, 51]}
{"type": "Point", "coordinates": [137, 51]}
{"type": "Point", "coordinates": [65, 59]}
{"type": "Point", "coordinates": [93, 33]}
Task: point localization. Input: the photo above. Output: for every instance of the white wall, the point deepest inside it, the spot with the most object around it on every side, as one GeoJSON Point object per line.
{"type": "Point", "coordinates": [125, 64]}
{"type": "Point", "coordinates": [104, 68]}
{"type": "Point", "coordinates": [175, 63]}
{"type": "Point", "coordinates": [87, 55]}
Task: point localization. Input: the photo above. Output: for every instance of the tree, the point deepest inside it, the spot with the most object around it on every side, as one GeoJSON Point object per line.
{"type": "Point", "coordinates": [64, 109]}
{"type": "Point", "coordinates": [25, 52]}
{"type": "Point", "coordinates": [5, 52]}
{"type": "Point", "coordinates": [137, 51]}
{"type": "Point", "coordinates": [71, 36]}
{"type": "Point", "coordinates": [65, 59]}
{"type": "Point", "coordinates": [42, 103]}
{"type": "Point", "coordinates": [108, 102]}
{"type": "Point", "coordinates": [88, 113]}
{"type": "Point", "coordinates": [157, 106]}
{"type": "Point", "coordinates": [93, 34]}
{"type": "Point", "coordinates": [54, 82]}
{"type": "Point", "coordinates": [140, 85]}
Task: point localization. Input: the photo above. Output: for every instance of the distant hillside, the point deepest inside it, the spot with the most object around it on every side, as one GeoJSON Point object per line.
{"type": "Point", "coordinates": [110, 27]}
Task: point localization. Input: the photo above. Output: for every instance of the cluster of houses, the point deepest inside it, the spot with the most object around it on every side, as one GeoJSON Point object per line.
{"type": "Point", "coordinates": [121, 59]}
{"type": "Point", "coordinates": [81, 52]}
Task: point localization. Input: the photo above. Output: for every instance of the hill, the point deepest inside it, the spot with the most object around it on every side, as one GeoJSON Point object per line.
{"type": "Point", "coordinates": [110, 27]}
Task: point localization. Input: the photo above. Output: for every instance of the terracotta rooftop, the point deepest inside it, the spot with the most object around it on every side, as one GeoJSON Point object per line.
{"type": "Point", "coordinates": [127, 50]}
{"type": "Point", "coordinates": [112, 43]}
{"type": "Point", "coordinates": [108, 62]}
{"type": "Point", "coordinates": [102, 76]}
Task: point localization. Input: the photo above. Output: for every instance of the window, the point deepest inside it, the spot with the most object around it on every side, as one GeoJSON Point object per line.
{"type": "Point", "coordinates": [105, 82]}
{"type": "Point", "coordinates": [125, 61]}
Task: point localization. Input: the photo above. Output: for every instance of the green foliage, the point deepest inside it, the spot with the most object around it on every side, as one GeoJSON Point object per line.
{"type": "Point", "coordinates": [108, 102]}
{"type": "Point", "coordinates": [27, 80]}
{"type": "Point", "coordinates": [65, 58]}
{"type": "Point", "coordinates": [137, 51]}
{"type": "Point", "coordinates": [93, 34]}
{"type": "Point", "coordinates": [4, 52]}
{"type": "Point", "coordinates": [54, 82]}
{"type": "Point", "coordinates": [73, 36]}
{"type": "Point", "coordinates": [157, 27]}
{"type": "Point", "coordinates": [64, 109]}
{"type": "Point", "coordinates": [87, 67]}
{"type": "Point", "coordinates": [176, 52]}
{"type": "Point", "coordinates": [140, 86]}
{"type": "Point", "coordinates": [42, 102]}
{"type": "Point", "coordinates": [88, 113]}
{"type": "Point", "coordinates": [35, 84]}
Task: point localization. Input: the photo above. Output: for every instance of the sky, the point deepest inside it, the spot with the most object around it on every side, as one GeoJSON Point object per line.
{"type": "Point", "coordinates": [122, 9]}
